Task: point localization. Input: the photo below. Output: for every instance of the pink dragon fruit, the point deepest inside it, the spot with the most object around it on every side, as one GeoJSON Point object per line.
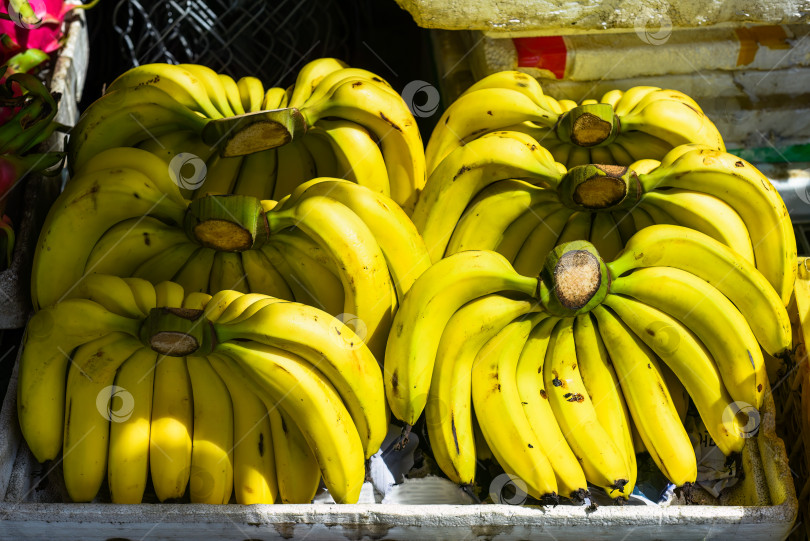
{"type": "Point", "coordinates": [33, 24]}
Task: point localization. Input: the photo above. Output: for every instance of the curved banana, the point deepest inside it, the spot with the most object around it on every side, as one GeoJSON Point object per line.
{"type": "Point", "coordinates": [50, 337]}
{"type": "Point", "coordinates": [602, 457]}
{"type": "Point", "coordinates": [254, 465]}
{"type": "Point", "coordinates": [357, 154]}
{"type": "Point", "coordinates": [128, 460]}
{"type": "Point", "coordinates": [257, 176]}
{"type": "Point", "coordinates": [315, 406]}
{"type": "Point", "coordinates": [712, 317]}
{"type": "Point", "coordinates": [111, 292]}
{"type": "Point", "coordinates": [480, 112]}
{"type": "Point", "coordinates": [213, 86]}
{"type": "Point", "coordinates": [232, 93]}
{"type": "Point", "coordinates": [124, 117]}
{"type": "Point", "coordinates": [705, 213]}
{"type": "Point", "coordinates": [251, 93]}
{"type": "Point", "coordinates": [137, 159]}
{"type": "Point", "coordinates": [605, 235]}
{"type": "Point", "coordinates": [571, 481]}
{"type": "Point", "coordinates": [448, 412]}
{"type": "Point", "coordinates": [648, 400]}
{"type": "Point", "coordinates": [195, 274]}
{"type": "Point", "coordinates": [418, 324]}
{"type": "Point", "coordinates": [751, 194]}
{"type": "Point", "coordinates": [386, 115]}
{"type": "Point", "coordinates": [689, 360]}
{"type": "Point", "coordinates": [299, 475]}
{"type": "Point", "coordinates": [263, 277]}
{"type": "Point", "coordinates": [295, 165]}
{"type": "Point", "coordinates": [322, 287]}
{"type": "Point", "coordinates": [736, 278]}
{"type": "Point", "coordinates": [600, 381]}
{"type": "Point", "coordinates": [360, 261]}
{"type": "Point", "coordinates": [310, 77]}
{"type": "Point", "coordinates": [513, 441]}
{"type": "Point", "coordinates": [87, 426]}
{"type": "Point", "coordinates": [400, 242]}
{"type": "Point", "coordinates": [468, 170]}
{"type": "Point", "coordinates": [165, 265]}
{"type": "Point", "coordinates": [169, 294]}
{"type": "Point", "coordinates": [80, 217]}
{"type": "Point", "coordinates": [172, 79]}
{"type": "Point", "coordinates": [227, 273]}
{"type": "Point", "coordinates": [322, 342]}
{"type": "Point", "coordinates": [673, 117]}
{"type": "Point", "coordinates": [144, 293]}
{"type": "Point", "coordinates": [538, 228]}
{"type": "Point", "coordinates": [211, 479]}
{"type": "Point", "coordinates": [172, 428]}
{"type": "Point", "coordinates": [486, 218]}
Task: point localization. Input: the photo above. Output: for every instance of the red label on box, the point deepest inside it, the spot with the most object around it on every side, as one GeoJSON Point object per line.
{"type": "Point", "coordinates": [548, 53]}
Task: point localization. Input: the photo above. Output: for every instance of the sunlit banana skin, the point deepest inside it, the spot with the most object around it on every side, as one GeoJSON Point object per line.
{"type": "Point", "coordinates": [424, 313]}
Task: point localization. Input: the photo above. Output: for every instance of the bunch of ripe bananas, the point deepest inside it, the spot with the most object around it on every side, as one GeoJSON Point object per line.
{"type": "Point", "coordinates": [554, 349]}
{"type": "Point", "coordinates": [472, 201]}
{"type": "Point", "coordinates": [644, 122]}
{"type": "Point", "coordinates": [335, 121]}
{"type": "Point", "coordinates": [332, 244]}
{"type": "Point", "coordinates": [243, 394]}
{"type": "Point", "coordinates": [558, 368]}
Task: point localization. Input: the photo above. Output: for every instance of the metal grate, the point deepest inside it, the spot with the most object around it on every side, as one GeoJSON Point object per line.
{"type": "Point", "coordinates": [268, 40]}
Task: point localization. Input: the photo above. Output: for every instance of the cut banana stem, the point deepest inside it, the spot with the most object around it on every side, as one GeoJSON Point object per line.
{"type": "Point", "coordinates": [589, 125]}
{"type": "Point", "coordinates": [227, 223]}
{"type": "Point", "coordinates": [598, 187]}
{"type": "Point", "coordinates": [574, 279]}
{"type": "Point", "coordinates": [253, 132]}
{"type": "Point", "coordinates": [177, 332]}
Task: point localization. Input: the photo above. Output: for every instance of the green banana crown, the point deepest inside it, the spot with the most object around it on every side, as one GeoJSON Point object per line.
{"type": "Point", "coordinates": [227, 223]}
{"type": "Point", "coordinates": [600, 187]}
{"type": "Point", "coordinates": [178, 332]}
{"type": "Point", "coordinates": [574, 279]}
{"type": "Point", "coordinates": [589, 125]}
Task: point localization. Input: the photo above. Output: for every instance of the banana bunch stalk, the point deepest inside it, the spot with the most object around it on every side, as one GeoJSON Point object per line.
{"type": "Point", "coordinates": [558, 368]}
{"type": "Point", "coordinates": [473, 201]}
{"type": "Point", "coordinates": [621, 128]}
{"type": "Point", "coordinates": [335, 121]}
{"type": "Point", "coordinates": [332, 244]}
{"type": "Point", "coordinates": [236, 394]}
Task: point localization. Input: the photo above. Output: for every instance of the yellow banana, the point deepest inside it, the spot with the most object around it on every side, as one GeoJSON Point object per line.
{"type": "Point", "coordinates": [468, 170]}
{"type": "Point", "coordinates": [434, 298]}
{"type": "Point", "coordinates": [600, 381]}
{"type": "Point", "coordinates": [172, 428]}
{"type": "Point", "coordinates": [648, 400]}
{"type": "Point", "coordinates": [315, 406]}
{"type": "Point", "coordinates": [50, 337]}
{"type": "Point", "coordinates": [254, 464]}
{"type": "Point", "coordinates": [751, 194]}
{"type": "Point", "coordinates": [571, 481]}
{"type": "Point", "coordinates": [211, 479]}
{"type": "Point", "coordinates": [737, 279]}
{"type": "Point", "coordinates": [128, 461]}
{"type": "Point", "coordinates": [323, 342]}
{"type": "Point", "coordinates": [88, 411]}
{"type": "Point", "coordinates": [251, 93]}
{"type": "Point", "coordinates": [601, 456]}
{"type": "Point", "coordinates": [448, 413]}
{"type": "Point", "coordinates": [513, 441]}
{"type": "Point", "coordinates": [712, 317]}
{"type": "Point", "coordinates": [705, 213]}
